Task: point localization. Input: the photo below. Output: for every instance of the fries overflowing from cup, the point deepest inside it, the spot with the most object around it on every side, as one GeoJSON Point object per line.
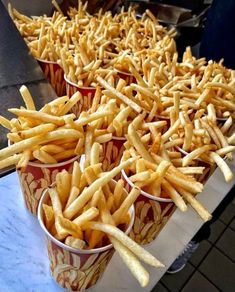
{"type": "Point", "coordinates": [88, 210]}
{"type": "Point", "coordinates": [133, 108]}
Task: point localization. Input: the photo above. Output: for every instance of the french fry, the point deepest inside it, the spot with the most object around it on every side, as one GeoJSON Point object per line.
{"type": "Point", "coordinates": [126, 241]}
{"type": "Point", "coordinates": [200, 209]}
{"type": "Point", "coordinates": [28, 100]}
{"type": "Point", "coordinates": [115, 93]}
{"type": "Point", "coordinates": [228, 175]}
{"type": "Point", "coordinates": [75, 242]}
{"type": "Point", "coordinates": [126, 204]}
{"type": "Point", "coordinates": [132, 262]}
{"type": "Point", "coordinates": [174, 195]}
{"type": "Point", "coordinates": [44, 157]}
{"type": "Point", "coordinates": [5, 123]}
{"type": "Point", "coordinates": [86, 195]}
{"type": "Point", "coordinates": [38, 116]}
{"type": "Point", "coordinates": [70, 227]}
{"type": "Point", "coordinates": [195, 154]}
{"type": "Point", "coordinates": [14, 159]}
{"type": "Point", "coordinates": [23, 162]}
{"type": "Point", "coordinates": [95, 153]}
{"type": "Point", "coordinates": [49, 215]}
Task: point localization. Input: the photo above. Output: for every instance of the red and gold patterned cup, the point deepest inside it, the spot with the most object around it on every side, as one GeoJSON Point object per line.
{"type": "Point", "coordinates": [87, 93]}
{"type": "Point", "coordinates": [112, 152]}
{"type": "Point", "coordinates": [76, 269]}
{"type": "Point", "coordinates": [36, 177]}
{"type": "Point", "coordinates": [55, 75]}
{"type": "Point", "coordinates": [151, 214]}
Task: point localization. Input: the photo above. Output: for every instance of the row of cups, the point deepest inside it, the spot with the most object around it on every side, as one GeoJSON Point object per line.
{"type": "Point", "coordinates": [71, 268]}
{"type": "Point", "coordinates": [75, 269]}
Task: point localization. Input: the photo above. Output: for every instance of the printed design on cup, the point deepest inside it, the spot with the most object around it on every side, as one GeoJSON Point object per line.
{"type": "Point", "coordinates": [111, 154]}
{"type": "Point", "coordinates": [150, 218]}
{"type": "Point", "coordinates": [33, 181]}
{"type": "Point", "coordinates": [77, 272]}
{"type": "Point", "coordinates": [55, 75]}
{"type": "Point", "coordinates": [83, 105]}
{"type": "Point", "coordinates": [85, 102]}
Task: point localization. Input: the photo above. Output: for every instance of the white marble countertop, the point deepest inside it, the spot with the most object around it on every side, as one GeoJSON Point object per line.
{"type": "Point", "coordinates": [23, 260]}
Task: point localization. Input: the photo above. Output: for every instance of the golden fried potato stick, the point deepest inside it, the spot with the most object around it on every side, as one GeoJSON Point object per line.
{"type": "Point", "coordinates": [87, 193]}
{"type": "Point", "coordinates": [95, 153]}
{"type": "Point", "coordinates": [5, 123]}
{"type": "Point", "coordinates": [134, 265]}
{"type": "Point", "coordinates": [116, 94]}
{"type": "Point", "coordinates": [71, 227]}
{"type": "Point", "coordinates": [59, 121]}
{"type": "Point", "coordinates": [139, 146]}
{"type": "Point", "coordinates": [27, 97]}
{"type": "Point", "coordinates": [174, 195]}
{"type": "Point", "coordinates": [139, 251]}
{"type": "Point", "coordinates": [220, 85]}
{"type": "Point", "coordinates": [228, 175]}
{"type": "Point", "coordinates": [75, 98]}
{"type": "Point", "coordinates": [24, 160]}
{"type": "Point", "coordinates": [197, 206]}
{"type": "Point", "coordinates": [37, 140]}
{"type": "Point", "coordinates": [10, 160]}
{"type": "Point", "coordinates": [49, 215]}
{"type": "Point", "coordinates": [75, 242]}
{"type": "Point", "coordinates": [82, 121]}
{"type": "Point", "coordinates": [126, 204]}
{"type": "Point", "coordinates": [38, 130]}
{"type": "Point", "coordinates": [195, 154]}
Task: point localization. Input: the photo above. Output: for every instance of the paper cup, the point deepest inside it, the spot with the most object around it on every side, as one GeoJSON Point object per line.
{"type": "Point", "coordinates": [55, 75]}
{"type": "Point", "coordinates": [151, 214]}
{"type": "Point", "coordinates": [87, 93]}
{"type": "Point", "coordinates": [74, 269]}
{"type": "Point", "coordinates": [36, 177]}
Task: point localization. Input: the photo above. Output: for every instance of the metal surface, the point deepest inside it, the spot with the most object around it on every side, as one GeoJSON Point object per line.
{"type": "Point", "coordinates": [32, 7]}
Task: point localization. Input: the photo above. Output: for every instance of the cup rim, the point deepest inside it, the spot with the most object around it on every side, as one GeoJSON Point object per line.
{"type": "Point", "coordinates": [159, 199]}
{"type": "Point", "coordinates": [41, 165]}
{"type": "Point", "coordinates": [131, 211]}
{"type": "Point", "coordinates": [45, 61]}
{"type": "Point", "coordinates": [81, 87]}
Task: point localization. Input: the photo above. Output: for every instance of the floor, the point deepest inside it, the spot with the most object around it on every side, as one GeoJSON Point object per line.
{"type": "Point", "coordinates": [212, 267]}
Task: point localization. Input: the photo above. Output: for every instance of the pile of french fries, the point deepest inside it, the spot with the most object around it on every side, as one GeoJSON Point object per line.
{"type": "Point", "coordinates": [86, 46]}
{"type": "Point", "coordinates": [50, 135]}
{"type": "Point", "coordinates": [88, 210]}
{"type": "Point", "coordinates": [175, 120]}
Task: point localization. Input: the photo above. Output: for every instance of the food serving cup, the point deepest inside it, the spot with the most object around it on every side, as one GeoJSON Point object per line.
{"type": "Point", "coordinates": [36, 177]}
{"type": "Point", "coordinates": [55, 75]}
{"type": "Point", "coordinates": [151, 214]}
{"type": "Point", "coordinates": [77, 269]}
{"type": "Point", "coordinates": [87, 93]}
